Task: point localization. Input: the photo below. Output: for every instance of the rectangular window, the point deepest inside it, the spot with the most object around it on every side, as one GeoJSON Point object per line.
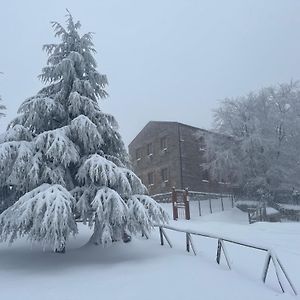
{"type": "Point", "coordinates": [163, 143]}
{"type": "Point", "coordinates": [151, 178]}
{"type": "Point", "coordinates": [202, 146]}
{"type": "Point", "coordinates": [149, 149]}
{"type": "Point", "coordinates": [165, 174]}
{"type": "Point", "coordinates": [205, 176]}
{"type": "Point", "coordinates": [138, 153]}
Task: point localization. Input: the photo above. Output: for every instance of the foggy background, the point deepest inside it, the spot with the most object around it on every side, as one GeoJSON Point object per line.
{"type": "Point", "coordinates": [165, 60]}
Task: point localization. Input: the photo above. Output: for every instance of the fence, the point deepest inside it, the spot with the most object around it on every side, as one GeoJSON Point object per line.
{"type": "Point", "coordinates": [187, 204]}
{"type": "Point", "coordinates": [221, 248]}
{"type": "Point", "coordinates": [258, 214]}
{"type": "Point", "coordinates": [269, 211]}
{"type": "Point", "coordinates": [214, 202]}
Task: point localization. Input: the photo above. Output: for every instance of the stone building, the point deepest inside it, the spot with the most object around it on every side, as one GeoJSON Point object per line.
{"type": "Point", "coordinates": [167, 154]}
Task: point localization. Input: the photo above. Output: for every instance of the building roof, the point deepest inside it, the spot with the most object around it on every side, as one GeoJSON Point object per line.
{"type": "Point", "coordinates": [170, 122]}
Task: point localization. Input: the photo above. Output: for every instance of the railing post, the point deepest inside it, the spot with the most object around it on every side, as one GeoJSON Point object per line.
{"type": "Point", "coordinates": [164, 235]}
{"type": "Point", "coordinates": [264, 209]}
{"type": "Point", "coordinates": [221, 247]}
{"type": "Point", "coordinates": [222, 204]}
{"type": "Point", "coordinates": [174, 204]}
{"type": "Point", "coordinates": [218, 259]}
{"type": "Point", "coordinates": [210, 205]}
{"type": "Point", "coordinates": [270, 256]}
{"type": "Point", "coordinates": [186, 204]}
{"type": "Point", "coordinates": [199, 208]}
{"type": "Point", "coordinates": [161, 236]}
{"type": "Point", "coordinates": [187, 242]}
{"type": "Point", "coordinates": [286, 276]}
{"type": "Point", "coordinates": [266, 267]}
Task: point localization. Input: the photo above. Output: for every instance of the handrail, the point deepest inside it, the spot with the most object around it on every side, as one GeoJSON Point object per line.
{"type": "Point", "coordinates": [213, 236]}
{"type": "Point", "coordinates": [221, 246]}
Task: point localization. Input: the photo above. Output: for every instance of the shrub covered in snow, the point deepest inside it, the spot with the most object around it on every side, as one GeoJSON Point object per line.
{"type": "Point", "coordinates": [64, 158]}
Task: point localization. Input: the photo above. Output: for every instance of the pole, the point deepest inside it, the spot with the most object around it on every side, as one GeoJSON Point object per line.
{"type": "Point", "coordinates": [186, 204]}
{"type": "Point", "coordinates": [174, 204]}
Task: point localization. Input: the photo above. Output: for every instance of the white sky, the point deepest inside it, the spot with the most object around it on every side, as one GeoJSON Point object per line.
{"type": "Point", "coordinates": [165, 59]}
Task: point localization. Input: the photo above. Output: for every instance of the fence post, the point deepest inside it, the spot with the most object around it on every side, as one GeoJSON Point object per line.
{"type": "Point", "coordinates": [210, 205]}
{"type": "Point", "coordinates": [270, 257]}
{"type": "Point", "coordinates": [174, 204]}
{"type": "Point", "coordinates": [286, 276]}
{"type": "Point", "coordinates": [264, 210]}
{"type": "Point", "coordinates": [164, 235]}
{"type": "Point", "coordinates": [186, 204]}
{"type": "Point", "coordinates": [161, 236]}
{"type": "Point", "coordinates": [266, 267]}
{"type": "Point", "coordinates": [221, 247]}
{"type": "Point", "coordinates": [199, 208]}
{"type": "Point", "coordinates": [232, 204]}
{"type": "Point", "coordinates": [187, 242]}
{"type": "Point", "coordinates": [222, 204]}
{"type": "Point", "coordinates": [249, 217]}
{"type": "Point", "coordinates": [218, 259]}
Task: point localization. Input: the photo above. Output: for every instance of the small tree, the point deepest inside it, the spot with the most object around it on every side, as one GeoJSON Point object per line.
{"type": "Point", "coordinates": [64, 158]}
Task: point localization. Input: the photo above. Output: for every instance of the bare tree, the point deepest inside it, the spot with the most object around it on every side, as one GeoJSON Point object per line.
{"type": "Point", "coordinates": [262, 151]}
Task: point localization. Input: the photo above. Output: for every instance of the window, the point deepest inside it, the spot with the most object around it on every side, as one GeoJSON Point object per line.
{"type": "Point", "coordinates": [151, 178]}
{"type": "Point", "coordinates": [165, 174]}
{"type": "Point", "coordinates": [138, 154]}
{"type": "Point", "coordinates": [149, 149]}
{"type": "Point", "coordinates": [163, 143]}
{"type": "Point", "coordinates": [205, 176]}
{"type": "Point", "coordinates": [202, 146]}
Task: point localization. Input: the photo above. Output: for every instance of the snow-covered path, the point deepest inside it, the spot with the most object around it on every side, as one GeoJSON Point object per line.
{"type": "Point", "coordinates": [144, 270]}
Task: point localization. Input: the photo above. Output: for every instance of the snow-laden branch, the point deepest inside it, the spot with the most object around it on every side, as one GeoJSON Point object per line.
{"type": "Point", "coordinates": [56, 145]}
{"type": "Point", "coordinates": [44, 215]}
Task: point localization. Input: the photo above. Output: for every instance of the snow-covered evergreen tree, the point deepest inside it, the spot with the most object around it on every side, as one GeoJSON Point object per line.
{"type": "Point", "coordinates": [64, 158]}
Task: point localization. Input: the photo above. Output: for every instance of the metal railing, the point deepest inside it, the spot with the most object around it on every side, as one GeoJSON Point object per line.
{"type": "Point", "coordinates": [221, 248]}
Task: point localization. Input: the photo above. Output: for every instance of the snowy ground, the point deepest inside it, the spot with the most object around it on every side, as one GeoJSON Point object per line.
{"type": "Point", "coordinates": [145, 270]}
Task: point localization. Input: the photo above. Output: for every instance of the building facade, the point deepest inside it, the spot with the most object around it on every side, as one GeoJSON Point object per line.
{"type": "Point", "coordinates": [170, 154]}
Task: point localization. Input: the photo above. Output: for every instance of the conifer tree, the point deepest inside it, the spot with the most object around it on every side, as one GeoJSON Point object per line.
{"type": "Point", "coordinates": [63, 158]}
